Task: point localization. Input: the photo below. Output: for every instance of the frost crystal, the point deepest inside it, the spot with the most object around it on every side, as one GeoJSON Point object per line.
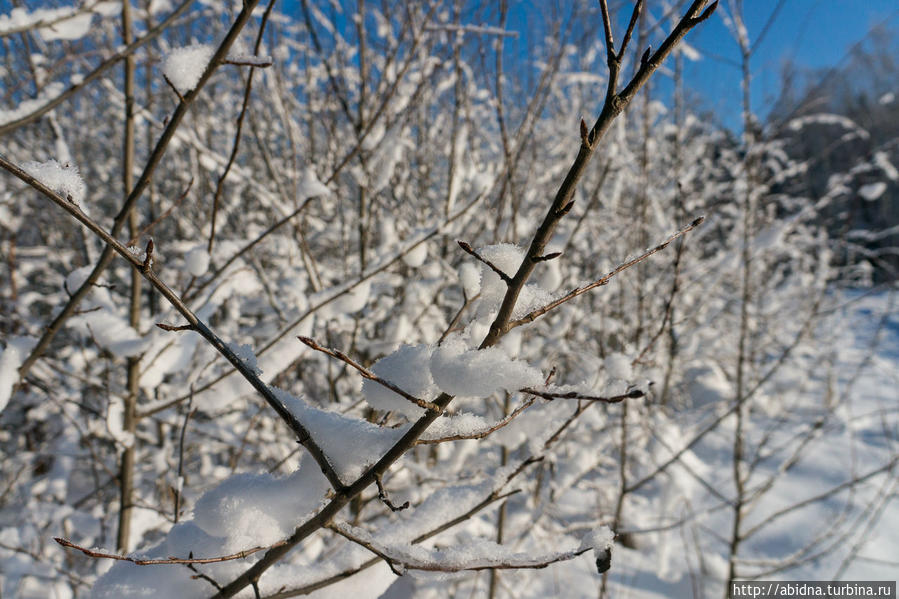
{"type": "Point", "coordinates": [184, 66]}
{"type": "Point", "coordinates": [64, 179]}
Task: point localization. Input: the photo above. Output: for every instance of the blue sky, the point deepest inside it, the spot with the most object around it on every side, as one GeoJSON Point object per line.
{"type": "Point", "coordinates": [813, 33]}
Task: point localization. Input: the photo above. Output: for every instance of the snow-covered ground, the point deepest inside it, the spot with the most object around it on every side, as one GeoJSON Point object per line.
{"type": "Point", "coordinates": [809, 527]}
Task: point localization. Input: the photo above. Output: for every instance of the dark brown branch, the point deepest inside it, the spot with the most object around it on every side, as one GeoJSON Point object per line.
{"type": "Point", "coordinates": [220, 184]}
{"type": "Point", "coordinates": [258, 62]}
{"type": "Point", "coordinates": [382, 495]}
{"type": "Point", "coordinates": [173, 88]}
{"type": "Point", "coordinates": [175, 328]}
{"type": "Point", "coordinates": [365, 372]}
{"type": "Point", "coordinates": [614, 104]}
{"type": "Point", "coordinates": [632, 394]}
{"type": "Point", "coordinates": [635, 15]}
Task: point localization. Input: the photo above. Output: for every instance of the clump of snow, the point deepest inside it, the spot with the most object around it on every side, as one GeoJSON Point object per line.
{"type": "Point", "coordinates": [872, 191]}
{"type": "Point", "coordinates": [601, 539]}
{"type": "Point", "coordinates": [310, 186]}
{"type": "Point", "coordinates": [887, 98]}
{"type": "Point", "coordinates": [11, 358]}
{"type": "Point", "coordinates": [470, 277]}
{"type": "Point", "coordinates": [416, 256]}
{"type": "Point", "coordinates": [618, 366]}
{"type": "Point", "coordinates": [196, 261]}
{"type": "Point", "coordinates": [26, 107]}
{"type": "Point", "coordinates": [246, 510]}
{"type": "Point", "coordinates": [72, 28]}
{"type": "Point", "coordinates": [259, 509]}
{"type": "Point", "coordinates": [507, 258]}
{"type": "Point", "coordinates": [458, 370]}
{"type": "Point", "coordinates": [183, 67]}
{"type": "Point", "coordinates": [115, 423]}
{"type": "Point", "coordinates": [463, 425]}
{"type": "Point", "coordinates": [246, 355]}
{"type": "Point", "coordinates": [409, 369]}
{"type": "Point", "coordinates": [64, 179]}
{"type": "Point", "coordinates": [351, 444]}
{"type": "Point", "coordinates": [354, 299]}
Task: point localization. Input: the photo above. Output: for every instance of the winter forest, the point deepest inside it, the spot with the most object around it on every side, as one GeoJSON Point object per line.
{"type": "Point", "coordinates": [439, 298]}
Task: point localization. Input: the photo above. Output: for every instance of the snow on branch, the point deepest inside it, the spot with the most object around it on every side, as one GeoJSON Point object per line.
{"type": "Point", "coordinates": [476, 29]}
{"type": "Point", "coordinates": [368, 374]}
{"type": "Point", "coordinates": [479, 555]}
{"type": "Point", "coordinates": [102, 554]}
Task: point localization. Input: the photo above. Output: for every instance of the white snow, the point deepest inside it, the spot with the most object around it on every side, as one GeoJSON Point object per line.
{"type": "Point", "coordinates": [887, 98]}
{"type": "Point", "coordinates": [246, 355]}
{"type": "Point", "coordinates": [245, 511]}
{"type": "Point", "coordinates": [458, 370]}
{"type": "Point", "coordinates": [351, 444]}
{"type": "Point", "coordinates": [310, 186]}
{"type": "Point", "coordinates": [196, 261]}
{"type": "Point", "coordinates": [872, 191]}
{"type": "Point", "coordinates": [600, 539]}
{"type": "Point", "coordinates": [470, 277]}
{"type": "Point", "coordinates": [507, 258]}
{"type": "Point", "coordinates": [26, 107]}
{"type": "Point", "coordinates": [183, 67]}
{"type": "Point", "coordinates": [259, 509]}
{"type": "Point", "coordinates": [73, 28]}
{"type": "Point", "coordinates": [416, 256]}
{"type": "Point", "coordinates": [64, 179]}
{"type": "Point", "coordinates": [353, 300]}
{"type": "Point", "coordinates": [11, 358]}
{"type": "Point", "coordinates": [618, 366]}
{"type": "Point", "coordinates": [409, 369]}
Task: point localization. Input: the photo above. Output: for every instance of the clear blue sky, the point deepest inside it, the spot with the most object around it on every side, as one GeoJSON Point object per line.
{"type": "Point", "coordinates": [813, 33]}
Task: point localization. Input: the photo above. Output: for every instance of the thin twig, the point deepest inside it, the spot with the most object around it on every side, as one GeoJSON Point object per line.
{"type": "Point", "coordinates": [632, 394]}
{"type": "Point", "coordinates": [382, 495]}
{"type": "Point", "coordinates": [535, 314]}
{"type": "Point", "coordinates": [480, 434]}
{"type": "Point", "coordinates": [365, 372]}
{"type": "Point", "coordinates": [169, 560]}
{"type": "Point", "coordinates": [470, 250]}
